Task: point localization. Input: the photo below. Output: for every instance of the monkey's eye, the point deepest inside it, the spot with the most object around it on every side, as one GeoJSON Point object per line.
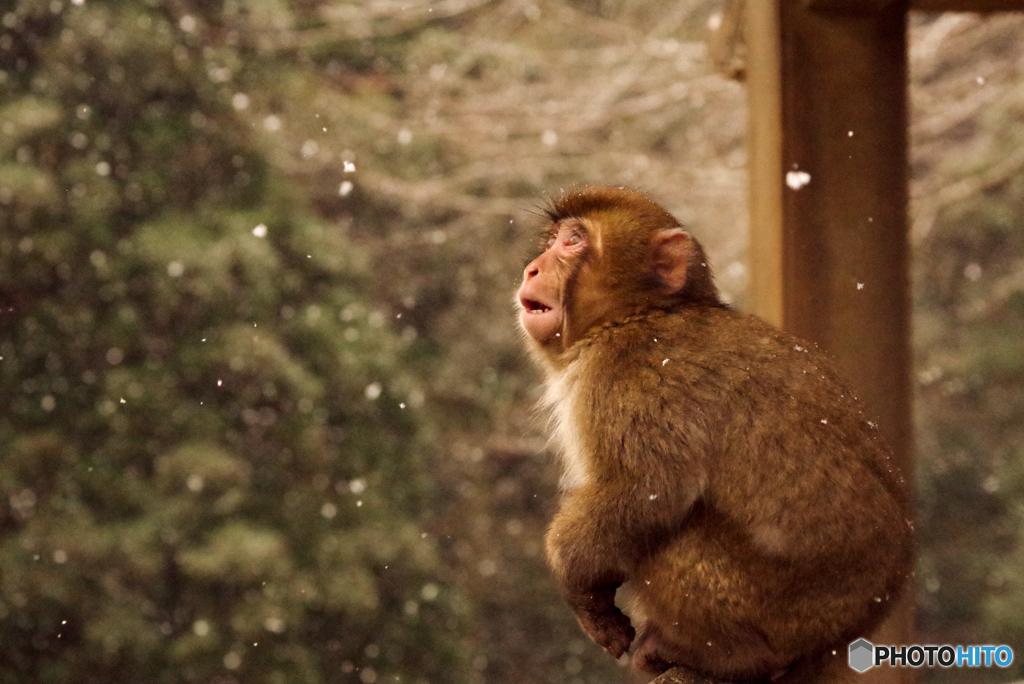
{"type": "Point", "coordinates": [574, 239]}
{"type": "Point", "coordinates": [551, 241]}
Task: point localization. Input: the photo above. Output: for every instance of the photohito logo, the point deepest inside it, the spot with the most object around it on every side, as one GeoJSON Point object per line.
{"type": "Point", "coordinates": [864, 655]}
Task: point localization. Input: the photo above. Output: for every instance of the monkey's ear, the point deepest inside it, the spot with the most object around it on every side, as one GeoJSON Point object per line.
{"type": "Point", "coordinates": [670, 255]}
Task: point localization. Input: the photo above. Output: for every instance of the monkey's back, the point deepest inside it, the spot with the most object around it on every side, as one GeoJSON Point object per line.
{"type": "Point", "coordinates": [799, 517]}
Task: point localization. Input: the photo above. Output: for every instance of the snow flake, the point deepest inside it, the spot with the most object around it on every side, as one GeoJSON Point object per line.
{"type": "Point", "coordinates": [797, 179]}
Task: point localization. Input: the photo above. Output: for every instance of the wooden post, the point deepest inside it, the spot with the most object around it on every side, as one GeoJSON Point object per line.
{"type": "Point", "coordinates": [764, 151]}
{"type": "Point", "coordinates": [828, 251]}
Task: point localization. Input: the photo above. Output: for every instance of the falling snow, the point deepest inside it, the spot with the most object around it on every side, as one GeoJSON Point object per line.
{"type": "Point", "coordinates": [797, 179]}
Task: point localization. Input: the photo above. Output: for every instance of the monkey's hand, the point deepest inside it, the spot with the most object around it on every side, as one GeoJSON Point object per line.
{"type": "Point", "coordinates": [605, 624]}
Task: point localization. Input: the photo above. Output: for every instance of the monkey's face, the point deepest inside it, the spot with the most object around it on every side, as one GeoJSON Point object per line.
{"type": "Point", "coordinates": [596, 270]}
{"type": "Point", "coordinates": [547, 280]}
{"type": "Point", "coordinates": [608, 254]}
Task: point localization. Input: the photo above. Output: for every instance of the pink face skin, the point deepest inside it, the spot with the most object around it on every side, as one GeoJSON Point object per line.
{"type": "Point", "coordinates": [540, 295]}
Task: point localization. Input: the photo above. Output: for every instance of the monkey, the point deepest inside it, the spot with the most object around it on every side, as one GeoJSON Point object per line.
{"type": "Point", "coordinates": [719, 478]}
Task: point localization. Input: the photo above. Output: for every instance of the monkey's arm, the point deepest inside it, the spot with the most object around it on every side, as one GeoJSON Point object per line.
{"type": "Point", "coordinates": [589, 571]}
{"type": "Point", "coordinates": [594, 544]}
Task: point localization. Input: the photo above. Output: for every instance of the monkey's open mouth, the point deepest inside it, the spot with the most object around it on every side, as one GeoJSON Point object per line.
{"type": "Point", "coordinates": [533, 306]}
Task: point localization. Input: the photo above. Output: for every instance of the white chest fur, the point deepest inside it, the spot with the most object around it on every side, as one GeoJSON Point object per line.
{"type": "Point", "coordinates": [560, 401]}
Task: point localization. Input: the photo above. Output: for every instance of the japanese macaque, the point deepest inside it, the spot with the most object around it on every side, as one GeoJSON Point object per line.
{"type": "Point", "coordinates": [718, 474]}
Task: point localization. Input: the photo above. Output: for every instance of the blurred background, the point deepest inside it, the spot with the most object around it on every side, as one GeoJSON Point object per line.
{"type": "Point", "coordinates": [264, 416]}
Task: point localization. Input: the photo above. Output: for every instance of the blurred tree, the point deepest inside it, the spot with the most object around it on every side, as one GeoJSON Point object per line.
{"type": "Point", "coordinates": [211, 468]}
{"type": "Point", "coordinates": [968, 211]}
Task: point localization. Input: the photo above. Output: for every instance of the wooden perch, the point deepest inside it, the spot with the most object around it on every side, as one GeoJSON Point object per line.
{"type": "Point", "coordinates": [679, 675]}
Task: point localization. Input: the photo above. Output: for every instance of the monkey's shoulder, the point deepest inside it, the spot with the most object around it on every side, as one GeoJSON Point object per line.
{"type": "Point", "coordinates": [705, 340]}
{"type": "Point", "coordinates": [717, 358]}
{"type": "Point", "coordinates": [728, 339]}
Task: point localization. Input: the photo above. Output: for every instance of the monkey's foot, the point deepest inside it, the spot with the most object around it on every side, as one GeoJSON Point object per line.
{"type": "Point", "coordinates": [648, 660]}
{"type": "Point", "coordinates": [646, 656]}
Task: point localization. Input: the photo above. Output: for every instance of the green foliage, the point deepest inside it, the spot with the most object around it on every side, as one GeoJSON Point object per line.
{"type": "Point", "coordinates": [969, 275]}
{"type": "Point", "coordinates": [206, 470]}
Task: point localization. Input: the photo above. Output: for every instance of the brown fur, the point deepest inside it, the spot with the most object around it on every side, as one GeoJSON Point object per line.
{"type": "Point", "coordinates": [717, 465]}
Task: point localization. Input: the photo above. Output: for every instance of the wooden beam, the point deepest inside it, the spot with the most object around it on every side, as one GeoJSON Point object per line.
{"type": "Point", "coordinates": [828, 250]}
{"type": "Point", "coordinates": [849, 5]}
{"type": "Point", "coordinates": [845, 251]}
{"type": "Point", "coordinates": [967, 5]}
{"type": "Point", "coordinates": [859, 6]}
{"type": "Point", "coordinates": [764, 152]}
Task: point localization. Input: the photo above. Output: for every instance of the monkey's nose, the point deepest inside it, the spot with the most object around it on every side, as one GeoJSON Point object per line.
{"type": "Point", "coordinates": [531, 271]}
